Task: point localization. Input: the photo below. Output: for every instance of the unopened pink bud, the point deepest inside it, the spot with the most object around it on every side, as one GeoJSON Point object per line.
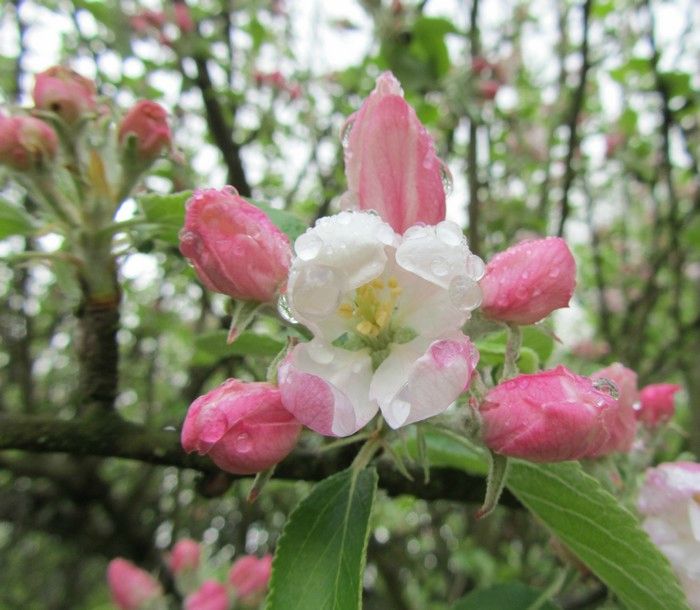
{"type": "Point", "coordinates": [479, 64]}
{"type": "Point", "coordinates": [525, 283]}
{"type": "Point", "coordinates": [148, 122]}
{"type": "Point", "coordinates": [625, 424]}
{"type": "Point", "coordinates": [131, 587]}
{"type": "Point", "coordinates": [211, 595]}
{"type": "Point", "coordinates": [183, 18]}
{"type": "Point", "coordinates": [26, 142]}
{"type": "Point", "coordinates": [656, 403]}
{"type": "Point", "coordinates": [550, 416]}
{"type": "Point", "coordinates": [249, 577]}
{"type": "Point", "coordinates": [65, 92]}
{"type": "Point", "coordinates": [390, 160]}
{"type": "Point", "coordinates": [242, 427]}
{"type": "Point", "coordinates": [185, 556]}
{"type": "Point", "coordinates": [488, 89]}
{"type": "Point", "coordinates": [234, 247]}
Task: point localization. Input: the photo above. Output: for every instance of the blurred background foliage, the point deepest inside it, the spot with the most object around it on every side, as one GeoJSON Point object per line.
{"type": "Point", "coordinates": [554, 117]}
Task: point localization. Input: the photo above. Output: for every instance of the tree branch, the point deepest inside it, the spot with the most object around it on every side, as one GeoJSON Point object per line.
{"type": "Point", "coordinates": [111, 436]}
{"type": "Point", "coordinates": [575, 111]}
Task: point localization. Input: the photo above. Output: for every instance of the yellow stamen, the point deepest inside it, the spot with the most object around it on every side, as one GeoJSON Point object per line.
{"type": "Point", "coordinates": [346, 311]}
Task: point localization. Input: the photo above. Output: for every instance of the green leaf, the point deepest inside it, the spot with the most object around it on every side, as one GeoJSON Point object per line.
{"type": "Point", "coordinates": [320, 557]}
{"type": "Point", "coordinates": [583, 515]}
{"type": "Point", "coordinates": [600, 531]}
{"type": "Point", "coordinates": [512, 595]}
{"type": "Point", "coordinates": [212, 347]}
{"type": "Point", "coordinates": [286, 222]}
{"type": "Point", "coordinates": [166, 213]}
{"type": "Point", "coordinates": [14, 220]}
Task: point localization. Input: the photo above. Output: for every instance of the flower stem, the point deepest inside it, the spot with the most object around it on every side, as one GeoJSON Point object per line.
{"type": "Point", "coordinates": [510, 365]}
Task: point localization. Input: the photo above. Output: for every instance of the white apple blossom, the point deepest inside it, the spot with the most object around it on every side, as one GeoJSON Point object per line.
{"type": "Point", "coordinates": [386, 313]}
{"type": "Point", "coordinates": [670, 503]}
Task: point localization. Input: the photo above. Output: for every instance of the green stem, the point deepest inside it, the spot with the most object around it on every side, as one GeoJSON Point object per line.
{"type": "Point", "coordinates": [510, 365]}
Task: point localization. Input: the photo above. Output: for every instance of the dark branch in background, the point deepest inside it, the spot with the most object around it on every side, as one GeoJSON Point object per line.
{"type": "Point", "coordinates": [472, 158]}
{"type": "Point", "coordinates": [220, 129]}
{"type": "Point", "coordinates": [572, 123]}
{"type": "Point", "coordinates": [110, 436]}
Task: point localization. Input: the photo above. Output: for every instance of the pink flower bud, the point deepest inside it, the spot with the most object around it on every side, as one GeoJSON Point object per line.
{"type": "Point", "coordinates": [234, 247]}
{"type": "Point", "coordinates": [525, 283]}
{"type": "Point", "coordinates": [656, 403]}
{"type": "Point", "coordinates": [65, 92]}
{"type": "Point", "coordinates": [185, 556]}
{"type": "Point", "coordinates": [670, 502]}
{"type": "Point", "coordinates": [550, 417]}
{"type": "Point", "coordinates": [26, 142]}
{"type": "Point", "coordinates": [131, 587]}
{"type": "Point", "coordinates": [479, 64]}
{"type": "Point", "coordinates": [183, 18]}
{"type": "Point", "coordinates": [210, 596]}
{"type": "Point", "coordinates": [249, 577]}
{"type": "Point", "coordinates": [242, 427]}
{"type": "Point", "coordinates": [148, 122]}
{"type": "Point", "coordinates": [625, 381]}
{"type": "Point", "coordinates": [488, 89]}
{"type": "Point", "coordinates": [390, 160]}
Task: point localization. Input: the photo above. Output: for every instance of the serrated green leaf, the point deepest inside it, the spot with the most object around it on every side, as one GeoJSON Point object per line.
{"type": "Point", "coordinates": [14, 220]}
{"type": "Point", "coordinates": [583, 515]}
{"type": "Point", "coordinates": [320, 557]}
{"type": "Point", "coordinates": [600, 531]}
{"type": "Point", "coordinates": [510, 596]}
{"type": "Point", "coordinates": [212, 347]}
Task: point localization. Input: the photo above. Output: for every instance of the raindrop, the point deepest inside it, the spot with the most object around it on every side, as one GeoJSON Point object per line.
{"type": "Point", "coordinates": [417, 231]}
{"type": "Point", "coordinates": [320, 353]}
{"type": "Point", "coordinates": [386, 235]}
{"type": "Point", "coordinates": [449, 233]}
{"type": "Point", "coordinates": [475, 267]}
{"type": "Point", "coordinates": [440, 266]}
{"type": "Point", "coordinates": [605, 385]}
{"type": "Point", "coordinates": [230, 190]}
{"type": "Point", "coordinates": [553, 273]}
{"type": "Point", "coordinates": [345, 132]}
{"type": "Point", "coordinates": [464, 293]}
{"type": "Point", "coordinates": [316, 291]}
{"type": "Point", "coordinates": [307, 246]}
{"type": "Point", "coordinates": [285, 311]}
{"type": "Point", "coordinates": [243, 443]}
{"type": "Point", "coordinates": [446, 178]}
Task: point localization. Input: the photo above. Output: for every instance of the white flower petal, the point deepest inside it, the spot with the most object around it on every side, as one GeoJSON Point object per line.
{"type": "Point", "coordinates": [326, 388]}
{"type": "Point", "coordinates": [419, 380]}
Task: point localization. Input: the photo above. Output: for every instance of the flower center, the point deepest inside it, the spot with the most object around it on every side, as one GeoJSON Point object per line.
{"type": "Point", "coordinates": [371, 314]}
{"type": "Point", "coordinates": [372, 307]}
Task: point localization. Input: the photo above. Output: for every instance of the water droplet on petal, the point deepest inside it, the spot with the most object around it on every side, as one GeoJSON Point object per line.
{"type": "Point", "coordinates": [440, 266]}
{"type": "Point", "coordinates": [230, 190]}
{"type": "Point", "coordinates": [605, 385]}
{"type": "Point", "coordinates": [285, 311]}
{"type": "Point", "coordinates": [446, 178]}
{"type": "Point", "coordinates": [320, 352]}
{"type": "Point", "coordinates": [476, 268]}
{"type": "Point", "coordinates": [243, 443]}
{"type": "Point", "coordinates": [464, 293]}
{"type": "Point", "coordinates": [317, 290]}
{"type": "Point", "coordinates": [449, 233]}
{"type": "Point", "coordinates": [307, 246]}
{"type": "Point", "coordinates": [417, 231]}
{"type": "Point", "coordinates": [386, 235]}
{"type": "Point", "coordinates": [523, 383]}
{"type": "Point", "coordinates": [553, 273]}
{"type": "Point", "coordinates": [345, 131]}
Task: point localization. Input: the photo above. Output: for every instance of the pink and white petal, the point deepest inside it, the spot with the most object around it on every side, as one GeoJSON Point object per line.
{"type": "Point", "coordinates": [326, 388]}
{"type": "Point", "coordinates": [421, 379]}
